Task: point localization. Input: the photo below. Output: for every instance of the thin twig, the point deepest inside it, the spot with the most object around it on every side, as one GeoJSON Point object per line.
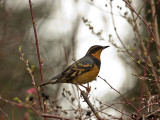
{"type": "Point", "coordinates": [138, 32]}
{"type": "Point", "coordinates": [119, 93]}
{"type": "Point", "coordinates": [38, 52]}
{"type": "Point", "coordinates": [153, 112]}
{"type": "Point", "coordinates": [21, 105]}
{"type": "Point", "coordinates": [33, 109]}
{"type": "Point", "coordinates": [144, 21]}
{"type": "Point", "coordinates": [155, 23]}
{"type": "Point", "coordinates": [31, 74]}
{"type": "Point", "coordinates": [36, 39]}
{"type": "Point", "coordinates": [53, 116]}
{"type": "Point", "coordinates": [100, 8]}
{"type": "Point", "coordinates": [145, 73]}
{"type": "Point", "coordinates": [27, 65]}
{"type": "Point", "coordinates": [143, 6]}
{"type": "Point", "coordinates": [4, 114]}
{"type": "Point", "coordinates": [111, 106]}
{"type": "Point", "coordinates": [145, 51]}
{"type": "Point", "coordinates": [153, 37]}
{"type": "Point", "coordinates": [116, 30]}
{"type": "Point", "coordinates": [149, 105]}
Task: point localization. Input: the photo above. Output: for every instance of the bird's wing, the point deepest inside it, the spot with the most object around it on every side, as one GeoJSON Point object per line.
{"type": "Point", "coordinates": [81, 66]}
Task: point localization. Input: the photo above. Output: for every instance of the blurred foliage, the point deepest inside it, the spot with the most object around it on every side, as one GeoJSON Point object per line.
{"type": "Point", "coordinates": [14, 31]}
{"type": "Point", "coordinates": [57, 51]}
{"type": "Point", "coordinates": [151, 89]}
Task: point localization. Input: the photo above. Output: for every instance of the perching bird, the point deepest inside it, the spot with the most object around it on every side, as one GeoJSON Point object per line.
{"type": "Point", "coordinates": [82, 71]}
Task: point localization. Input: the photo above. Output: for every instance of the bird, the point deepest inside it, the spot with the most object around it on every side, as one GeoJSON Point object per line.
{"type": "Point", "coordinates": [81, 71]}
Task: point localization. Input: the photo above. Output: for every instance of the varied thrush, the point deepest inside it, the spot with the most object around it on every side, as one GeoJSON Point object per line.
{"type": "Point", "coordinates": [82, 71]}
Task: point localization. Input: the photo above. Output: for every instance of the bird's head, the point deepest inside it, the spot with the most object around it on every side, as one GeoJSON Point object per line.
{"type": "Point", "coordinates": [96, 50]}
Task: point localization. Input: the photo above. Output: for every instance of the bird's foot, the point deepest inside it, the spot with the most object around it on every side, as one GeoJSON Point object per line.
{"type": "Point", "coordinates": [88, 89]}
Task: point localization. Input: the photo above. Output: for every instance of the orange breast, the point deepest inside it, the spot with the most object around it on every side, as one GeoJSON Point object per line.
{"type": "Point", "coordinates": [87, 77]}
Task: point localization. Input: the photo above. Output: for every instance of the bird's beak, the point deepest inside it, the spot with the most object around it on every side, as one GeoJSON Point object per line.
{"type": "Point", "coordinates": [105, 47]}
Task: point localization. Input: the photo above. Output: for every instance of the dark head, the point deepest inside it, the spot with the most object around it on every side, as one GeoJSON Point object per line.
{"type": "Point", "coordinates": [96, 50]}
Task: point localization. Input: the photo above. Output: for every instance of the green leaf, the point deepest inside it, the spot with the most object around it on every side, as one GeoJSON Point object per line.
{"type": "Point", "coordinates": [157, 58]}
{"type": "Point", "coordinates": [17, 99]}
{"type": "Point", "coordinates": [20, 48]}
{"type": "Point", "coordinates": [133, 49]}
{"type": "Point", "coordinates": [132, 58]}
{"type": "Point", "coordinates": [30, 111]}
{"type": "Point", "coordinates": [28, 69]}
{"type": "Point", "coordinates": [139, 61]}
{"type": "Point", "coordinates": [32, 68]}
{"type": "Point", "coordinates": [27, 61]}
{"type": "Point", "coordinates": [149, 64]}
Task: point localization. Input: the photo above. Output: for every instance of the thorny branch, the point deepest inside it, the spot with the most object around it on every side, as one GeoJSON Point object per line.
{"type": "Point", "coordinates": [36, 39]}
{"type": "Point", "coordinates": [38, 53]}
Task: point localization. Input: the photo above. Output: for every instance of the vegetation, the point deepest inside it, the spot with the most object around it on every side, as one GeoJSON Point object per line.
{"type": "Point", "coordinates": [20, 96]}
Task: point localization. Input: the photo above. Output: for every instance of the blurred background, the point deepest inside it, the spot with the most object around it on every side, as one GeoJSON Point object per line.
{"type": "Point", "coordinates": [66, 30]}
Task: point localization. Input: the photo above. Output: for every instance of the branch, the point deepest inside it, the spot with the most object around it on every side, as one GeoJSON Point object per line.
{"type": "Point", "coordinates": [153, 113]}
{"type": "Point", "coordinates": [142, 45]}
{"type": "Point", "coordinates": [53, 116]}
{"type": "Point", "coordinates": [33, 109]}
{"type": "Point", "coordinates": [38, 52]}
{"type": "Point", "coordinates": [145, 22]}
{"type": "Point", "coordinates": [155, 23]}
{"type": "Point", "coordinates": [153, 37]}
{"type": "Point", "coordinates": [90, 105]}
{"type": "Point", "coordinates": [116, 30]}
{"type": "Point", "coordinates": [20, 105]}
{"type": "Point", "coordinates": [111, 106]}
{"type": "Point", "coordinates": [145, 73]}
{"type": "Point", "coordinates": [119, 93]}
{"type": "Point", "coordinates": [36, 39]}
{"type": "Point", "coordinates": [145, 51]}
{"type": "Point", "coordinates": [31, 74]}
{"type": "Point", "coordinates": [4, 114]}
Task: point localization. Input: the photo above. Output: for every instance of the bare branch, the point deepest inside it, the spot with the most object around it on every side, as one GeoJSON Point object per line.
{"type": "Point", "coordinates": [38, 52]}
{"type": "Point", "coordinates": [31, 74]}
{"type": "Point", "coordinates": [119, 93]}
{"type": "Point", "coordinates": [4, 114]}
{"type": "Point", "coordinates": [144, 21]}
{"type": "Point", "coordinates": [155, 23]}
{"type": "Point", "coordinates": [90, 105]}
{"type": "Point", "coordinates": [31, 108]}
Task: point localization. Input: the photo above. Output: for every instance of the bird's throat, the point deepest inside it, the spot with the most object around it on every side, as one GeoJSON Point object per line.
{"type": "Point", "coordinates": [97, 54]}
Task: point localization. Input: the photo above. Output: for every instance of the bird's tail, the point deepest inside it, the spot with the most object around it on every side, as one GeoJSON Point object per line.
{"type": "Point", "coordinates": [50, 81]}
